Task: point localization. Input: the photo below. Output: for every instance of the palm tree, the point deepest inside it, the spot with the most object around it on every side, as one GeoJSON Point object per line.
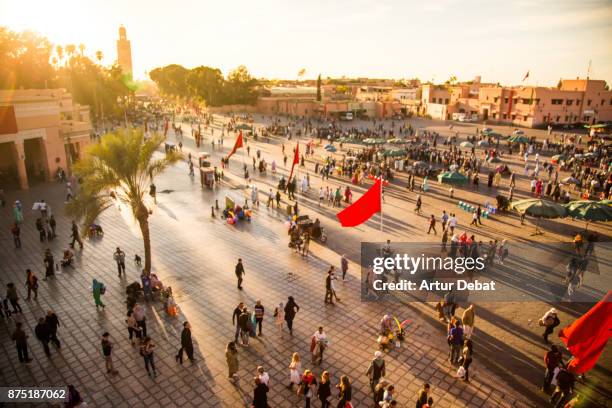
{"type": "Point", "coordinates": [119, 170]}
{"type": "Point", "coordinates": [82, 49]}
{"type": "Point", "coordinates": [99, 56]}
{"type": "Point", "coordinates": [60, 53]}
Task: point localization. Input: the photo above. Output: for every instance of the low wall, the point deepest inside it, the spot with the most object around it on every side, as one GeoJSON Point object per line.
{"type": "Point", "coordinates": [233, 108]}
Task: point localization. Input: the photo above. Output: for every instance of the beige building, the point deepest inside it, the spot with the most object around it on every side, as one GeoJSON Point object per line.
{"type": "Point", "coordinates": [575, 101]}
{"type": "Point", "coordinates": [124, 52]}
{"type": "Point", "coordinates": [41, 130]}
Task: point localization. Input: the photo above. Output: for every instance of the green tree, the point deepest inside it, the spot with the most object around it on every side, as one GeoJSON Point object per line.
{"type": "Point", "coordinates": [171, 80]}
{"type": "Point", "coordinates": [119, 170]}
{"type": "Point", "coordinates": [24, 60]}
{"type": "Point", "coordinates": [206, 83]}
{"type": "Point", "coordinates": [240, 87]}
{"type": "Point", "coordinates": [319, 88]}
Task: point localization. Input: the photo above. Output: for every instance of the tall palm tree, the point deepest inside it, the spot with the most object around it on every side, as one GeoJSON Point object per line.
{"type": "Point", "coordinates": [99, 56]}
{"type": "Point", "coordinates": [82, 49]}
{"type": "Point", "coordinates": [120, 170]}
{"type": "Point", "coordinates": [60, 53]}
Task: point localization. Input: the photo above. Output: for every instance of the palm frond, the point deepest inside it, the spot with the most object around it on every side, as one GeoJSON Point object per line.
{"type": "Point", "coordinates": [86, 208]}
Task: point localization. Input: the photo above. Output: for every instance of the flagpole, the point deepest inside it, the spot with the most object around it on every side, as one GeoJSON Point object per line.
{"type": "Point", "coordinates": [381, 205]}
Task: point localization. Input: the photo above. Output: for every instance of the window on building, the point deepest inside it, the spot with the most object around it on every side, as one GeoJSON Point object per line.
{"type": "Point", "coordinates": [537, 101]}
{"type": "Point", "coordinates": [505, 100]}
{"type": "Point", "coordinates": [603, 102]}
{"type": "Point", "coordinates": [556, 101]}
{"type": "Point", "coordinates": [586, 118]}
{"type": "Point", "coordinates": [566, 118]}
{"type": "Point", "coordinates": [577, 101]}
{"type": "Point", "coordinates": [569, 102]}
{"type": "Point", "coordinates": [496, 99]}
{"type": "Point", "coordinates": [513, 117]}
{"type": "Point", "coordinates": [558, 119]}
{"type": "Point", "coordinates": [589, 102]}
{"type": "Point", "coordinates": [446, 101]}
{"type": "Point", "coordinates": [495, 116]}
{"type": "Point", "coordinates": [504, 116]}
{"type": "Point", "coordinates": [525, 118]}
{"type": "Point", "coordinates": [515, 101]}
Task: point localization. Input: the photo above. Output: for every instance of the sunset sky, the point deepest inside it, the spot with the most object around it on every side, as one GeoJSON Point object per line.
{"type": "Point", "coordinates": [432, 39]}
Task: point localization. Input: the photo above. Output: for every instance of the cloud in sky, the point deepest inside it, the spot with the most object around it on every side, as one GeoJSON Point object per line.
{"type": "Point", "coordinates": [386, 38]}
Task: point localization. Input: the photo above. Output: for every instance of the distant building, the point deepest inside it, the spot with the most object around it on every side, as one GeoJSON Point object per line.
{"type": "Point", "coordinates": [575, 101]}
{"type": "Point", "coordinates": [40, 131]}
{"type": "Point", "coordinates": [124, 52]}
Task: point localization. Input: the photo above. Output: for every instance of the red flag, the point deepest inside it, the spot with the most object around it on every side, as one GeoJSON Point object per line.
{"type": "Point", "coordinates": [526, 76]}
{"type": "Point", "coordinates": [587, 336]}
{"type": "Point", "coordinates": [296, 159]}
{"type": "Point", "coordinates": [166, 128]}
{"type": "Point", "coordinates": [146, 127]}
{"type": "Point", "coordinates": [237, 145]}
{"type": "Point", "coordinates": [361, 210]}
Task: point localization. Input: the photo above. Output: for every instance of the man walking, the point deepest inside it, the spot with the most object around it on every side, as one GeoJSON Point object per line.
{"type": "Point", "coordinates": [21, 341]}
{"type": "Point", "coordinates": [328, 286]}
{"type": "Point", "coordinates": [235, 316]}
{"type": "Point", "coordinates": [376, 370]}
{"type": "Point", "coordinates": [42, 334]}
{"type": "Point", "coordinates": [468, 322]}
{"type": "Point", "coordinates": [139, 315]}
{"type": "Point", "coordinates": [239, 272]}
{"type": "Point", "coordinates": [432, 225]}
{"type": "Point", "coordinates": [186, 344]}
{"type": "Point", "coordinates": [344, 266]}
{"type": "Point", "coordinates": [49, 264]}
{"type": "Point", "coordinates": [107, 349]}
{"type": "Point", "coordinates": [75, 235]}
{"type": "Point", "coordinates": [119, 257]}
{"type": "Point", "coordinates": [259, 314]}
{"type": "Point", "coordinates": [52, 323]}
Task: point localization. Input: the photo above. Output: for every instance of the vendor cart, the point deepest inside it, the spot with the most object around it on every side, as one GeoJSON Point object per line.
{"type": "Point", "coordinates": [207, 177]}
{"type": "Point", "coordinates": [203, 160]}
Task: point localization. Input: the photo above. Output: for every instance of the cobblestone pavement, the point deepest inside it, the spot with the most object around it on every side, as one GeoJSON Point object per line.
{"type": "Point", "coordinates": [195, 254]}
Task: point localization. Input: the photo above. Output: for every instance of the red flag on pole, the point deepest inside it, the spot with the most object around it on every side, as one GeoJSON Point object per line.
{"type": "Point", "coordinates": [296, 159]}
{"type": "Point", "coordinates": [166, 128]}
{"type": "Point", "coordinates": [587, 336]}
{"type": "Point", "coordinates": [526, 76]}
{"type": "Point", "coordinates": [237, 145]}
{"type": "Point", "coordinates": [364, 208]}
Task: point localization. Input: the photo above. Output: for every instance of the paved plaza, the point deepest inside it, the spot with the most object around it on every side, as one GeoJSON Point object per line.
{"type": "Point", "coordinates": [195, 254]}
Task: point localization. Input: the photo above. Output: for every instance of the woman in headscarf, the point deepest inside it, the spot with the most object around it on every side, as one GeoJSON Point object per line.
{"type": "Point", "coordinates": [98, 291]}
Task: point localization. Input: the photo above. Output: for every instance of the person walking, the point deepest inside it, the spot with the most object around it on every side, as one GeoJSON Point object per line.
{"type": "Point", "coordinates": [119, 257]}
{"type": "Point", "coordinates": [260, 394]}
{"type": "Point", "coordinates": [235, 316]}
{"type": "Point", "coordinates": [466, 355]}
{"type": "Point", "coordinates": [98, 290]}
{"type": "Point", "coordinates": [133, 328]}
{"type": "Point", "coordinates": [259, 315]}
{"type": "Point", "coordinates": [42, 334]}
{"type": "Point", "coordinates": [344, 266]}
{"type": "Point", "coordinates": [49, 263]}
{"type": "Point", "coordinates": [552, 360]}
{"type": "Point", "coordinates": [279, 317]}
{"type": "Point", "coordinates": [16, 232]}
{"type": "Point", "coordinates": [186, 344]}
{"type": "Point", "coordinates": [13, 297]}
{"type": "Point", "coordinates": [146, 351]}
{"type": "Point", "coordinates": [291, 308]}
{"type": "Point", "coordinates": [422, 397]}
{"type": "Point", "coordinates": [31, 284]}
{"type": "Point", "coordinates": [239, 270]}
{"type": "Point", "coordinates": [76, 237]}
{"type": "Point", "coordinates": [42, 234]}
{"type": "Point", "coordinates": [346, 391]}
{"type": "Point", "coordinates": [324, 390]}
{"type": "Point", "coordinates": [307, 383]}
{"type": "Point", "coordinates": [52, 225]}
{"type": "Point", "coordinates": [231, 357]}
{"type": "Point", "coordinates": [295, 368]}
{"type": "Point", "coordinates": [318, 344]}
{"type": "Point", "coordinates": [328, 286]}
{"type": "Point", "coordinates": [419, 202]}
{"type": "Point", "coordinates": [432, 225]}
{"type": "Point", "coordinates": [376, 370]}
{"type": "Point", "coordinates": [107, 352]}
{"type": "Point", "coordinates": [456, 340]}
{"type": "Point", "coordinates": [21, 342]}
{"type": "Point", "coordinates": [244, 321]}
{"type": "Point", "coordinates": [467, 319]}
{"type": "Point", "coordinates": [564, 389]}
{"type": "Point", "coordinates": [52, 322]}
{"type": "Point", "coordinates": [141, 319]}
{"type": "Point", "coordinates": [550, 320]}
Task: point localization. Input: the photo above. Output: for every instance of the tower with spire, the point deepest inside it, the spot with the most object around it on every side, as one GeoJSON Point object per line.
{"type": "Point", "coordinates": [124, 52]}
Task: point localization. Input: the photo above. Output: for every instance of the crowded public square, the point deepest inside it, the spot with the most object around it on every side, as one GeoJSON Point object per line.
{"type": "Point", "coordinates": [179, 230]}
